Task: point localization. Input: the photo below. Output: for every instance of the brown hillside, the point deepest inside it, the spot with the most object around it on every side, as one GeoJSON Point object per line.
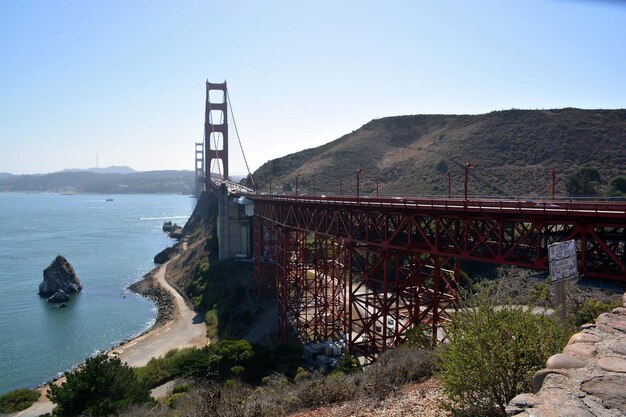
{"type": "Point", "coordinates": [513, 151]}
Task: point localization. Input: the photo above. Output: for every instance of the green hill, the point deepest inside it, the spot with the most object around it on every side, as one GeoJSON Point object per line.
{"type": "Point", "coordinates": [513, 151]}
{"type": "Point", "coordinates": [177, 182]}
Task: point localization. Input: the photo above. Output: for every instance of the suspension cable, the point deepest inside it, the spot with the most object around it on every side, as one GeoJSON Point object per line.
{"type": "Point", "coordinates": [239, 139]}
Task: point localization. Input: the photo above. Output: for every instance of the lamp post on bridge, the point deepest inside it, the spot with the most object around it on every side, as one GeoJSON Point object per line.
{"type": "Point", "coordinates": [468, 166]}
{"type": "Point", "coordinates": [447, 174]}
{"type": "Point", "coordinates": [552, 174]}
{"type": "Point", "coordinates": [358, 181]}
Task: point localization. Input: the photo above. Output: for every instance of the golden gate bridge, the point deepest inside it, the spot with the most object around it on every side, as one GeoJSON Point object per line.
{"type": "Point", "coordinates": [366, 269]}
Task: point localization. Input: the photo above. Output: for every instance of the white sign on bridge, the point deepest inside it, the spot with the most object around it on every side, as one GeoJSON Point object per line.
{"type": "Point", "coordinates": [562, 260]}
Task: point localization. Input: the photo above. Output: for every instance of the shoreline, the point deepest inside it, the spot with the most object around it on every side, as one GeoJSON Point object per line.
{"type": "Point", "coordinates": [147, 287]}
{"type": "Point", "coordinates": [174, 328]}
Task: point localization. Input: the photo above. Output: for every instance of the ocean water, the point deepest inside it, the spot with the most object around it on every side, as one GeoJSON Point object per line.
{"type": "Point", "coordinates": [110, 244]}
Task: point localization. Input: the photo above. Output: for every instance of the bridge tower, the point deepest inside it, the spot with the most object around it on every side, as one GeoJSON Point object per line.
{"type": "Point", "coordinates": [199, 168]}
{"type": "Point", "coordinates": [216, 130]}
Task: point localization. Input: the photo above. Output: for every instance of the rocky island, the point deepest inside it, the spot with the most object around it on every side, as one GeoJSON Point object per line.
{"type": "Point", "coordinates": [59, 280]}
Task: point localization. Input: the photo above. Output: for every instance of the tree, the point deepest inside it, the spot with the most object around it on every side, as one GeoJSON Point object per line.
{"type": "Point", "coordinates": [442, 166]}
{"type": "Point", "coordinates": [348, 364]}
{"type": "Point", "coordinates": [619, 185]}
{"type": "Point", "coordinates": [98, 388]}
{"type": "Point", "coordinates": [583, 182]}
{"type": "Point", "coordinates": [493, 354]}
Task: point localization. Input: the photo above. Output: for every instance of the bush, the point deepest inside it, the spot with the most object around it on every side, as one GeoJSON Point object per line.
{"type": "Point", "coordinates": [348, 364]}
{"type": "Point", "coordinates": [216, 361]}
{"type": "Point", "coordinates": [18, 400]}
{"type": "Point", "coordinates": [583, 182]}
{"type": "Point", "coordinates": [442, 166]}
{"type": "Point", "coordinates": [318, 392]}
{"type": "Point", "coordinates": [397, 367]}
{"type": "Point", "coordinates": [493, 354]}
{"type": "Point", "coordinates": [99, 388]}
{"type": "Point", "coordinates": [211, 321]}
{"type": "Point", "coordinates": [589, 310]}
{"type": "Point", "coordinates": [178, 389]}
{"type": "Point", "coordinates": [618, 185]}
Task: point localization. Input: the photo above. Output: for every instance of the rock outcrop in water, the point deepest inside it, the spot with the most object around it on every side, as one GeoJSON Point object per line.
{"type": "Point", "coordinates": [59, 297]}
{"type": "Point", "coordinates": [59, 275]}
{"type": "Point", "coordinates": [173, 230]}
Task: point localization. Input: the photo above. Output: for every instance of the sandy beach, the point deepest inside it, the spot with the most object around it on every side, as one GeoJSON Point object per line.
{"type": "Point", "coordinates": [177, 326]}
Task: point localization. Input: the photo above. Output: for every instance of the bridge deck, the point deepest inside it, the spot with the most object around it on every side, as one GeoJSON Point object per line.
{"type": "Point", "coordinates": [545, 208]}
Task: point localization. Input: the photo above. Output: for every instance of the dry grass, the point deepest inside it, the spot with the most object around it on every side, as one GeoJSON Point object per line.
{"type": "Point", "coordinates": [513, 150]}
{"type": "Point", "coordinates": [279, 397]}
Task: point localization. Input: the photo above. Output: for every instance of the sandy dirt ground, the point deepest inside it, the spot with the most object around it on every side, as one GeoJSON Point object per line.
{"type": "Point", "coordinates": [186, 330]}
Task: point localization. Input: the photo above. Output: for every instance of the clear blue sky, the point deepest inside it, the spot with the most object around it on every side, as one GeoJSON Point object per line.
{"type": "Point", "coordinates": [125, 80]}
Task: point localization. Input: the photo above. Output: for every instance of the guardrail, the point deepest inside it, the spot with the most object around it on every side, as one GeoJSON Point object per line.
{"type": "Point", "coordinates": [487, 206]}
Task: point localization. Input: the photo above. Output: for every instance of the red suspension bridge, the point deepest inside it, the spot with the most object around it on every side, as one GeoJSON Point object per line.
{"type": "Point", "coordinates": [366, 270]}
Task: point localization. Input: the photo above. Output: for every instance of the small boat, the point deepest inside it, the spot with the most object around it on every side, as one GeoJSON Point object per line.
{"type": "Point", "coordinates": [109, 199]}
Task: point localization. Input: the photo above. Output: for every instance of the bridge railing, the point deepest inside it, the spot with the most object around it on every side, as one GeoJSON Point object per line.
{"type": "Point", "coordinates": [491, 206]}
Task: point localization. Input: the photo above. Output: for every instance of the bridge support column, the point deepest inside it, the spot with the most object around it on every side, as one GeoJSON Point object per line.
{"type": "Point", "coordinates": [265, 258]}
{"type": "Point", "coordinates": [216, 131]}
{"type": "Point", "coordinates": [199, 169]}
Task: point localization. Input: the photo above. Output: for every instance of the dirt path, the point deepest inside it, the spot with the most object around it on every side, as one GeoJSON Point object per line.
{"type": "Point", "coordinates": [186, 330]}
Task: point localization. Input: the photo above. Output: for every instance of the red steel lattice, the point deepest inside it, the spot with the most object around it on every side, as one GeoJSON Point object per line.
{"type": "Point", "coordinates": [367, 270]}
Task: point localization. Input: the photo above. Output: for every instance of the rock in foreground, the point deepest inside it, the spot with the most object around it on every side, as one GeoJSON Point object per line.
{"type": "Point", "coordinates": [59, 275]}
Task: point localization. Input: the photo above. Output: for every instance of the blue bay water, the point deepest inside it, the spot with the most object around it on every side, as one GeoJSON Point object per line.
{"type": "Point", "coordinates": [110, 244]}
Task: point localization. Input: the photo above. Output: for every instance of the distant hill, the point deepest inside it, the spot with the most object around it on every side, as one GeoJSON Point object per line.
{"type": "Point", "coordinates": [5, 175]}
{"type": "Point", "coordinates": [513, 151]}
{"type": "Point", "coordinates": [176, 182]}
{"type": "Point", "coordinates": [108, 170]}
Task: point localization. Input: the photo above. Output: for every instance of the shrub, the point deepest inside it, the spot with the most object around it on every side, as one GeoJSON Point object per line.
{"type": "Point", "coordinates": [154, 372]}
{"type": "Point", "coordinates": [216, 361]}
{"type": "Point", "coordinates": [442, 166]}
{"type": "Point", "coordinates": [589, 310]}
{"type": "Point", "coordinates": [180, 389]}
{"type": "Point", "coordinates": [210, 318]}
{"type": "Point", "coordinates": [301, 374]}
{"type": "Point", "coordinates": [18, 400]}
{"type": "Point", "coordinates": [397, 367]}
{"type": "Point", "coordinates": [493, 354]}
{"type": "Point", "coordinates": [348, 364]}
{"type": "Point", "coordinates": [171, 400]}
{"type": "Point", "coordinates": [618, 185]}
{"type": "Point", "coordinates": [583, 182]}
{"type": "Point", "coordinates": [317, 392]}
{"type": "Point", "coordinates": [99, 388]}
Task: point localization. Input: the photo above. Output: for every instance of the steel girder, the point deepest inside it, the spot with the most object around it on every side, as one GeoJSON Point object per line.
{"type": "Point", "coordinates": [510, 239]}
{"type": "Point", "coordinates": [368, 275]}
{"type": "Point", "coordinates": [265, 250]}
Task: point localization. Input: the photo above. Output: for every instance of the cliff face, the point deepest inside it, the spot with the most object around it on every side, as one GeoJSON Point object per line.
{"type": "Point", "coordinates": [200, 238]}
{"type": "Point", "coordinates": [59, 275]}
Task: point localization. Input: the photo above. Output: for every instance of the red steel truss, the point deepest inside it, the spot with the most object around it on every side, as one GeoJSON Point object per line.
{"type": "Point", "coordinates": [367, 270]}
